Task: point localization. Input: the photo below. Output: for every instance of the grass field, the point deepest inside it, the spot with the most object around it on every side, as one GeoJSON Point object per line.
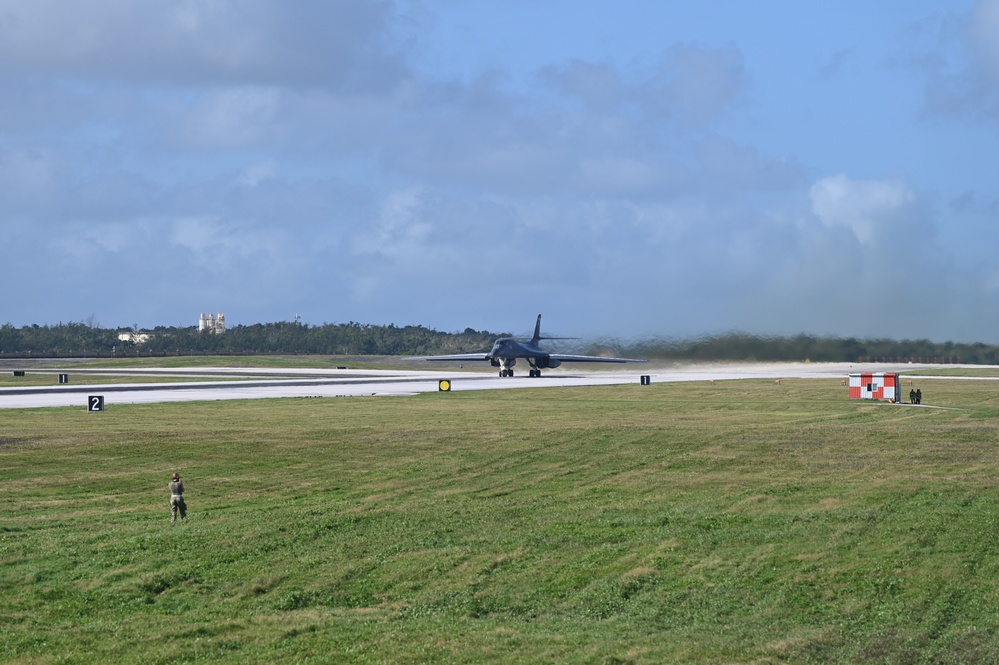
{"type": "Point", "coordinates": [739, 522]}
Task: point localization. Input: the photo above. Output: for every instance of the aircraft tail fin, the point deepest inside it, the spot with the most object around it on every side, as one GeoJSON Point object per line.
{"type": "Point", "coordinates": [537, 333]}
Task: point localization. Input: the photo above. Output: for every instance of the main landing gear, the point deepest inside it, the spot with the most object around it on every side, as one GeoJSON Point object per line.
{"type": "Point", "coordinates": [534, 373]}
{"type": "Point", "coordinates": [506, 367]}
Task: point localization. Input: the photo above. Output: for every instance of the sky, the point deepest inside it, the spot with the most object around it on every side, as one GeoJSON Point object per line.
{"type": "Point", "coordinates": [632, 169]}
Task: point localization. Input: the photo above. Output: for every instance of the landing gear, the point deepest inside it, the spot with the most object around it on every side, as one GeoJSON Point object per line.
{"type": "Point", "coordinates": [534, 373]}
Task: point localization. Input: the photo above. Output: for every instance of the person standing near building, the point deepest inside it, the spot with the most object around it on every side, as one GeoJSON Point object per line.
{"type": "Point", "coordinates": [912, 397]}
{"type": "Point", "coordinates": [177, 498]}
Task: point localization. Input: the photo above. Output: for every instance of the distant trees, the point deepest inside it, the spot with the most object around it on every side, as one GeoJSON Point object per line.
{"type": "Point", "coordinates": [88, 339]}
{"type": "Point", "coordinates": [741, 346]}
{"type": "Point", "coordinates": [79, 339]}
{"type": "Point", "coordinates": [62, 339]}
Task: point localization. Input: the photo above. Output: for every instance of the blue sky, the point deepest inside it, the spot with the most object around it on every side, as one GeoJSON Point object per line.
{"type": "Point", "coordinates": [630, 169]}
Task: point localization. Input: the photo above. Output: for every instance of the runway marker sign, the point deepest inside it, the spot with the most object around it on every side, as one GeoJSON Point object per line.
{"type": "Point", "coordinates": [95, 403]}
{"type": "Point", "coordinates": [444, 386]}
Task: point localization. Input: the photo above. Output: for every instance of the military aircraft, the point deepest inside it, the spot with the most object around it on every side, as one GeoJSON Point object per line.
{"type": "Point", "coordinates": [507, 350]}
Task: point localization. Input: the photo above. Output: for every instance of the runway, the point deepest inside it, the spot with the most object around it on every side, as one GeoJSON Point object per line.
{"type": "Point", "coordinates": [219, 384]}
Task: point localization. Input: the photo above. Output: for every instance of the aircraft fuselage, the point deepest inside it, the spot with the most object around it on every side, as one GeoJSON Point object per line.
{"type": "Point", "coordinates": [506, 351]}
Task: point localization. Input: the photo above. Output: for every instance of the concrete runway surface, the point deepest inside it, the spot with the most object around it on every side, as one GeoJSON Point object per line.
{"type": "Point", "coordinates": [214, 384]}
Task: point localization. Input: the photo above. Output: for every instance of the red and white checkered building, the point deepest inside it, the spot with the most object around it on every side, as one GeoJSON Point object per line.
{"type": "Point", "coordinates": [875, 385]}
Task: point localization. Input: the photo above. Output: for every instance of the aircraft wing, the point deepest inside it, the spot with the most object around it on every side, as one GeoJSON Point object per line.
{"type": "Point", "coordinates": [459, 357]}
{"type": "Point", "coordinates": [592, 359]}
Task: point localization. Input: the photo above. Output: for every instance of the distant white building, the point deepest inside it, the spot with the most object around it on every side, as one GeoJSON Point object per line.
{"type": "Point", "coordinates": [134, 337]}
{"type": "Point", "coordinates": [213, 323]}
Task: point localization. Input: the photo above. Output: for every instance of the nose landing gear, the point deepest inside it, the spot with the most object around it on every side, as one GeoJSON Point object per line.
{"type": "Point", "coordinates": [506, 365]}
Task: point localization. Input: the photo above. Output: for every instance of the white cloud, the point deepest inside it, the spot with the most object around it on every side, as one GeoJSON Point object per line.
{"type": "Point", "coordinates": [869, 208]}
{"type": "Point", "coordinates": [219, 245]}
{"type": "Point", "coordinates": [399, 228]}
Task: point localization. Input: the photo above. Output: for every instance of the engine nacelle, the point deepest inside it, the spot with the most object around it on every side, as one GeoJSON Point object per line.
{"type": "Point", "coordinates": [494, 362]}
{"type": "Point", "coordinates": [546, 363]}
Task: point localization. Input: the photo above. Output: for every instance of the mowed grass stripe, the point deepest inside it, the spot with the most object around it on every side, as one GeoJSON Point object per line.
{"type": "Point", "coordinates": [739, 522]}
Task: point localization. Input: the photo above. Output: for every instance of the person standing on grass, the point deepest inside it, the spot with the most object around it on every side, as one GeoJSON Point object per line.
{"type": "Point", "coordinates": [177, 498]}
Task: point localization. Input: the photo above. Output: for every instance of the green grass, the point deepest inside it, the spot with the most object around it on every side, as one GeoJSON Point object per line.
{"type": "Point", "coordinates": [740, 522]}
{"type": "Point", "coordinates": [981, 372]}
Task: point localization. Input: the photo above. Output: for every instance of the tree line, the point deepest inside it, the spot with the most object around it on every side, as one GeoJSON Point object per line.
{"type": "Point", "coordinates": [89, 340]}
{"type": "Point", "coordinates": [742, 346]}
{"type": "Point", "coordinates": [80, 339]}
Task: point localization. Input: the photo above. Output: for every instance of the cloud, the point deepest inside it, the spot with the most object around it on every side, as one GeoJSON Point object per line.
{"type": "Point", "coordinates": [28, 178]}
{"type": "Point", "coordinates": [399, 228]}
{"type": "Point", "coordinates": [245, 42]}
{"type": "Point", "coordinates": [695, 85]}
{"type": "Point", "coordinates": [975, 203]}
{"type": "Point", "coordinates": [963, 66]}
{"type": "Point", "coordinates": [596, 85]}
{"type": "Point", "coordinates": [690, 84]}
{"type": "Point", "coordinates": [835, 63]}
{"type": "Point", "coordinates": [255, 173]}
{"type": "Point", "coordinates": [983, 31]}
{"type": "Point", "coordinates": [265, 159]}
{"type": "Point", "coordinates": [871, 209]}
{"type": "Point", "coordinates": [594, 128]}
{"type": "Point", "coordinates": [231, 117]}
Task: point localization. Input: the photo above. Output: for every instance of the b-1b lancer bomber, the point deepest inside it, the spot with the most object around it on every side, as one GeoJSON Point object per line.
{"type": "Point", "coordinates": [507, 350]}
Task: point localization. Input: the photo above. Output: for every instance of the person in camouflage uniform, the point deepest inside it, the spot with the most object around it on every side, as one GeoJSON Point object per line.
{"type": "Point", "coordinates": [177, 498]}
